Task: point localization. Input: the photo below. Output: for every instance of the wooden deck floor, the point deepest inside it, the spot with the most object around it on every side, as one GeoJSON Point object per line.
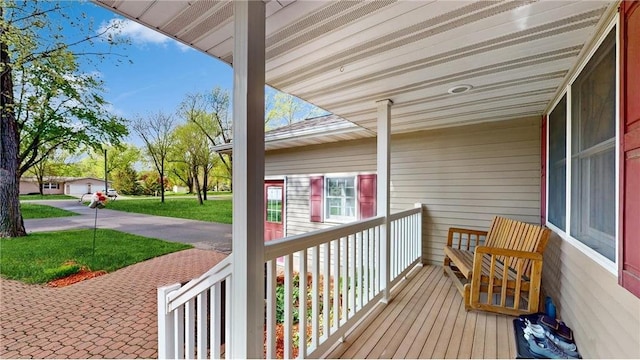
{"type": "Point", "coordinates": [426, 319]}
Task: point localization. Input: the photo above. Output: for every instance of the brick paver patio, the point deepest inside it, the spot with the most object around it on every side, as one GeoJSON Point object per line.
{"type": "Point", "coordinates": [111, 316]}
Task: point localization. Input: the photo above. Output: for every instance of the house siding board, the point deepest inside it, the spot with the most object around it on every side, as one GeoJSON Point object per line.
{"type": "Point", "coordinates": [465, 176]}
{"type": "Point", "coordinates": [604, 316]}
{"type": "Point", "coordinates": [416, 159]}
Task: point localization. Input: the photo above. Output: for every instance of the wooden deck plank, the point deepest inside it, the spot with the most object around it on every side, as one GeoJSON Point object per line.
{"type": "Point", "coordinates": [397, 331]}
{"type": "Point", "coordinates": [445, 338]}
{"type": "Point", "coordinates": [455, 342]}
{"type": "Point", "coordinates": [434, 336]}
{"type": "Point", "coordinates": [477, 351]}
{"type": "Point", "coordinates": [358, 340]}
{"type": "Point", "coordinates": [427, 319]}
{"type": "Point", "coordinates": [428, 324]}
{"type": "Point", "coordinates": [490, 338]}
{"type": "Point", "coordinates": [422, 323]}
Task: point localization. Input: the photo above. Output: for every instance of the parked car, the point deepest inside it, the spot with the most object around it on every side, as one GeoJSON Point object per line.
{"type": "Point", "coordinates": [112, 193]}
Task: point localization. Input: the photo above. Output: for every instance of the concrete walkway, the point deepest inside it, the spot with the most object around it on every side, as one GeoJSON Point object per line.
{"type": "Point", "coordinates": [110, 316]}
{"type": "Point", "coordinates": [200, 234]}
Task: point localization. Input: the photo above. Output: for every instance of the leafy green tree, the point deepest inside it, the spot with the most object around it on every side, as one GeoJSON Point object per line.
{"type": "Point", "coordinates": [47, 102]}
{"type": "Point", "coordinates": [157, 133]}
{"type": "Point", "coordinates": [126, 181]}
{"type": "Point", "coordinates": [210, 113]}
{"type": "Point", "coordinates": [56, 164]}
{"type": "Point", "coordinates": [191, 147]}
{"type": "Point", "coordinates": [119, 158]}
{"type": "Point", "coordinates": [282, 109]}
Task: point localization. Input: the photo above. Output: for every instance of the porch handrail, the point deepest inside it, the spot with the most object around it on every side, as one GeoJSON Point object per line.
{"type": "Point", "coordinates": [188, 291]}
{"type": "Point", "coordinates": [342, 278]}
{"type": "Point", "coordinates": [344, 284]}
{"type": "Point", "coordinates": [291, 244]}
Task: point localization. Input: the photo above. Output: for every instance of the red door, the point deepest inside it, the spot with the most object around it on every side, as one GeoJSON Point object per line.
{"type": "Point", "coordinates": [273, 209]}
{"type": "Point", "coordinates": [629, 255]}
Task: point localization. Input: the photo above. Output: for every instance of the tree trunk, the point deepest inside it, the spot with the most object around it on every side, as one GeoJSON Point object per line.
{"type": "Point", "coordinates": [205, 181]}
{"type": "Point", "coordinates": [162, 181]}
{"type": "Point", "coordinates": [11, 223]}
{"type": "Point", "coordinates": [197, 184]}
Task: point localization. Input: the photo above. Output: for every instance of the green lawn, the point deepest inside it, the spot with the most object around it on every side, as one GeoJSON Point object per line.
{"type": "Point", "coordinates": [46, 197]}
{"type": "Point", "coordinates": [43, 257]}
{"type": "Point", "coordinates": [219, 211]}
{"type": "Point", "coordinates": [37, 211]}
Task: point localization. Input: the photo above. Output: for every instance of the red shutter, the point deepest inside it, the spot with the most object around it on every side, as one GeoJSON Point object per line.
{"type": "Point", "coordinates": [629, 255]}
{"type": "Point", "coordinates": [367, 195]}
{"type": "Point", "coordinates": [315, 208]}
{"type": "Point", "coordinates": [543, 173]}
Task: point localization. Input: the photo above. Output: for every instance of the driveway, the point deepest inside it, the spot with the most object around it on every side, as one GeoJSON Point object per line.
{"type": "Point", "coordinates": [200, 234]}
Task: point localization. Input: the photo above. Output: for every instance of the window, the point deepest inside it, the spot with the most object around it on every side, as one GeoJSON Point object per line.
{"type": "Point", "coordinates": [50, 185]}
{"type": "Point", "coordinates": [592, 119]}
{"type": "Point", "coordinates": [340, 198]}
{"type": "Point", "coordinates": [593, 166]}
{"type": "Point", "coordinates": [274, 204]}
{"type": "Point", "coordinates": [558, 164]}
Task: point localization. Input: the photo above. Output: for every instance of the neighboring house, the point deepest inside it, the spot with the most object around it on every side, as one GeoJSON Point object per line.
{"type": "Point", "coordinates": [62, 185]}
{"type": "Point", "coordinates": [523, 109]}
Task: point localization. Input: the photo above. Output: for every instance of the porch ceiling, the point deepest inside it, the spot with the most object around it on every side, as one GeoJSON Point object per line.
{"type": "Point", "coordinates": [343, 56]}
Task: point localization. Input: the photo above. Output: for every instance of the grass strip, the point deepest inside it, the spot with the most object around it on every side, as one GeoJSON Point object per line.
{"type": "Point", "coordinates": [218, 211]}
{"type": "Point", "coordinates": [37, 211]}
{"type": "Point", "coordinates": [46, 197]}
{"type": "Point", "coordinates": [43, 257]}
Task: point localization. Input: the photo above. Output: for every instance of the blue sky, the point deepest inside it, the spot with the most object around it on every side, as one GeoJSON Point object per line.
{"type": "Point", "coordinates": [162, 71]}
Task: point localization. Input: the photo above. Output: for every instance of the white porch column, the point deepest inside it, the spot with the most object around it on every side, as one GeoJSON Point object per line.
{"type": "Point", "coordinates": [384, 186]}
{"type": "Point", "coordinates": [247, 281]}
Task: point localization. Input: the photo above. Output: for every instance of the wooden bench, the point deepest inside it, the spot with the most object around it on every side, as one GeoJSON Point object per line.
{"type": "Point", "coordinates": [498, 270]}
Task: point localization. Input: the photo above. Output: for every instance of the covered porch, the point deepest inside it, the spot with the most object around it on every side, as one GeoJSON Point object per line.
{"type": "Point", "coordinates": [426, 319]}
{"type": "Point", "coordinates": [456, 93]}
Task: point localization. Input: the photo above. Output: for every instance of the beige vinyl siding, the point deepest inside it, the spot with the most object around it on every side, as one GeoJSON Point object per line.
{"type": "Point", "coordinates": [357, 156]}
{"type": "Point", "coordinates": [467, 175]}
{"type": "Point", "coordinates": [464, 176]}
{"type": "Point", "coordinates": [338, 157]}
{"type": "Point", "coordinates": [604, 316]}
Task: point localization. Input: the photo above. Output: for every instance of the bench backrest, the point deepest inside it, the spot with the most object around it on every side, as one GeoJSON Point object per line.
{"type": "Point", "coordinates": [517, 235]}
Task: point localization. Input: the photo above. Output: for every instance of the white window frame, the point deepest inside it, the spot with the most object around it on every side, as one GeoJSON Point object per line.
{"type": "Point", "coordinates": [50, 186]}
{"type": "Point", "coordinates": [325, 198]}
{"type": "Point", "coordinates": [611, 266]}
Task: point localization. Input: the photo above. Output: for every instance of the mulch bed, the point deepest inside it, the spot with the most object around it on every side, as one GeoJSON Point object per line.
{"type": "Point", "coordinates": [81, 275]}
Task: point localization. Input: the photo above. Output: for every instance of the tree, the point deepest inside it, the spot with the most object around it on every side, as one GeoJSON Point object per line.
{"type": "Point", "coordinates": [126, 181]}
{"type": "Point", "coordinates": [217, 126]}
{"type": "Point", "coordinates": [56, 164]}
{"type": "Point", "coordinates": [283, 109]}
{"type": "Point", "coordinates": [119, 158]}
{"type": "Point", "coordinates": [47, 103]}
{"type": "Point", "coordinates": [191, 147]}
{"type": "Point", "coordinates": [157, 133]}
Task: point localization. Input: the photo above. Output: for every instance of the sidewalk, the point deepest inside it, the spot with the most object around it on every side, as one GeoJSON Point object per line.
{"type": "Point", "coordinates": [110, 316]}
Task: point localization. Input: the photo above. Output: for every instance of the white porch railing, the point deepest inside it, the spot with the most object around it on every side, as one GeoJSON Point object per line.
{"type": "Point", "coordinates": [343, 282]}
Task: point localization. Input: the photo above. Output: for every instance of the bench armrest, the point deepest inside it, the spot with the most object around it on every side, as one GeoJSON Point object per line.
{"type": "Point", "coordinates": [472, 236]}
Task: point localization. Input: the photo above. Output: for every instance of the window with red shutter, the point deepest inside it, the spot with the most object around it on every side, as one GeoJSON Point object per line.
{"type": "Point", "coordinates": [367, 196]}
{"type": "Point", "coordinates": [336, 198]}
{"type": "Point", "coordinates": [629, 249]}
{"type": "Point", "coordinates": [315, 203]}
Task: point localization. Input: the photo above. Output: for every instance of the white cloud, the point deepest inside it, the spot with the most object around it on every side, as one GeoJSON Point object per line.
{"type": "Point", "coordinates": [139, 34]}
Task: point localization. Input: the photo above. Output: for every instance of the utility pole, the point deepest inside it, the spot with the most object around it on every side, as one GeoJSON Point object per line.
{"type": "Point", "coordinates": [106, 183]}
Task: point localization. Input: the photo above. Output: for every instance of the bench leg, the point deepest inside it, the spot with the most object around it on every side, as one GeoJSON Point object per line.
{"type": "Point", "coordinates": [447, 263]}
{"type": "Point", "coordinates": [467, 297]}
